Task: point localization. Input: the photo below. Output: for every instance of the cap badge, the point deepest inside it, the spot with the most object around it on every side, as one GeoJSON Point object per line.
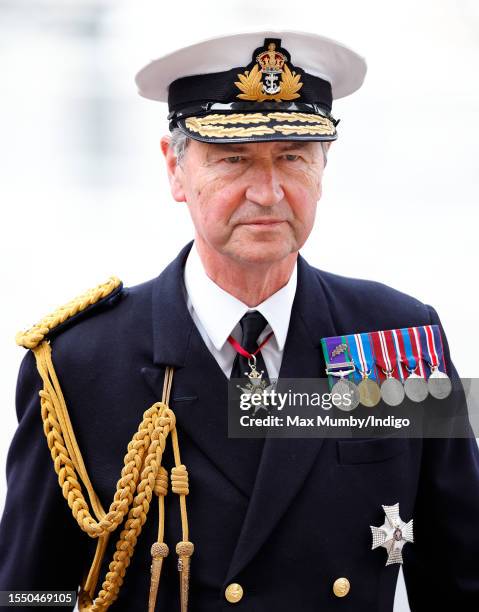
{"type": "Point", "coordinates": [270, 78]}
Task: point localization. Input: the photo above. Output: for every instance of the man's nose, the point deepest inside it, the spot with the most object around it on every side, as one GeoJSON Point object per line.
{"type": "Point", "coordinates": [264, 186]}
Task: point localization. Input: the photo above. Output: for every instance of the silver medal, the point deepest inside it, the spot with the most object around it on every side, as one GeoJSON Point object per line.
{"type": "Point", "coordinates": [415, 387]}
{"type": "Point", "coordinates": [346, 390]}
{"type": "Point", "coordinates": [392, 391]}
{"type": "Point", "coordinates": [349, 395]}
{"type": "Point", "coordinates": [439, 384]}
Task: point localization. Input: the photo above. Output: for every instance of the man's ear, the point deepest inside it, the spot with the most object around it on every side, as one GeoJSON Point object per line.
{"type": "Point", "coordinates": [174, 170]}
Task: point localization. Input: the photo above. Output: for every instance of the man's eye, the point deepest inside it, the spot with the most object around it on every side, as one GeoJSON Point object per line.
{"type": "Point", "coordinates": [291, 157]}
{"type": "Point", "coordinates": [234, 159]}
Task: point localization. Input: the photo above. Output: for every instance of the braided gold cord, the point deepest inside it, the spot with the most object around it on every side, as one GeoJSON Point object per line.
{"type": "Point", "coordinates": [141, 476]}
{"type": "Point", "coordinates": [164, 421]}
{"type": "Point", "coordinates": [36, 334]}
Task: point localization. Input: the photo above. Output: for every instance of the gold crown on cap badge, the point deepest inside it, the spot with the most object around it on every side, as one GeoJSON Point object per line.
{"type": "Point", "coordinates": [270, 78]}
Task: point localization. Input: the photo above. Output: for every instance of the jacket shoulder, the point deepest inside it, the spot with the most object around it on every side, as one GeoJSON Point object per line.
{"type": "Point", "coordinates": [97, 299]}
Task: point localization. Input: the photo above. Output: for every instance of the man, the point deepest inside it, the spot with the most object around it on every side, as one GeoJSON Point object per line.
{"type": "Point", "coordinates": [281, 524]}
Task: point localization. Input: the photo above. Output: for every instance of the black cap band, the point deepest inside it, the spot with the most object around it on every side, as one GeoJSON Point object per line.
{"type": "Point", "coordinates": [200, 89]}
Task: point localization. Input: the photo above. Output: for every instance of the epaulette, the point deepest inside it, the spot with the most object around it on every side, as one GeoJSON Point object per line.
{"type": "Point", "coordinates": [104, 295]}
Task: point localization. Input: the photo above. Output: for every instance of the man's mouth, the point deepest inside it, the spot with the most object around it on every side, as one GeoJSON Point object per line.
{"type": "Point", "coordinates": [264, 222]}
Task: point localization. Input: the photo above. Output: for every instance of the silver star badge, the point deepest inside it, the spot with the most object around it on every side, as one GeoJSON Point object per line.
{"type": "Point", "coordinates": [393, 534]}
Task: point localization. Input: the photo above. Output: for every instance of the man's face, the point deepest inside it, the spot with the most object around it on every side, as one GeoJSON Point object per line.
{"type": "Point", "coordinates": [254, 203]}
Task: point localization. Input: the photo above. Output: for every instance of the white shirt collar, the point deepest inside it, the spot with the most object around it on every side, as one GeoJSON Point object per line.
{"type": "Point", "coordinates": [219, 311]}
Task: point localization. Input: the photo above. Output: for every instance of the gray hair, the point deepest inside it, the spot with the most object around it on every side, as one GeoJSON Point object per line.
{"type": "Point", "coordinates": [180, 141]}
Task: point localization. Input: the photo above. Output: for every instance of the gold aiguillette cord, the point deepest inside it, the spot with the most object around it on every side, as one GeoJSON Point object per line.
{"type": "Point", "coordinates": [159, 549]}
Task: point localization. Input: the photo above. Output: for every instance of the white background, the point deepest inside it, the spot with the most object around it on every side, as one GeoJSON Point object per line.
{"type": "Point", "coordinates": [83, 190]}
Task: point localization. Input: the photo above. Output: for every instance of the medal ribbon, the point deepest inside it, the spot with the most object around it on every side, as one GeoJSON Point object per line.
{"type": "Point", "coordinates": [362, 355]}
{"type": "Point", "coordinates": [431, 345]}
{"type": "Point", "coordinates": [391, 350]}
{"type": "Point", "coordinates": [403, 374]}
{"type": "Point", "coordinates": [331, 354]}
{"type": "Point", "coordinates": [237, 346]}
{"type": "Point", "coordinates": [385, 352]}
{"type": "Point", "coordinates": [439, 347]}
{"type": "Point", "coordinates": [417, 350]}
{"type": "Point", "coordinates": [333, 357]}
{"type": "Point", "coordinates": [410, 349]}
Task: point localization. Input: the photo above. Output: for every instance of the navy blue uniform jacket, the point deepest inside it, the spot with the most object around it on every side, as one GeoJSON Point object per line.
{"type": "Point", "coordinates": [306, 520]}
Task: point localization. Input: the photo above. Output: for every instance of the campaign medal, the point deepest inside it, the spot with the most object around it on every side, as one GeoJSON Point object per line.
{"type": "Point", "coordinates": [369, 392]}
{"type": "Point", "coordinates": [346, 389]}
{"type": "Point", "coordinates": [439, 383]}
{"type": "Point", "coordinates": [339, 366]}
{"type": "Point", "coordinates": [415, 385]}
{"type": "Point", "coordinates": [392, 390]}
{"type": "Point", "coordinates": [393, 534]}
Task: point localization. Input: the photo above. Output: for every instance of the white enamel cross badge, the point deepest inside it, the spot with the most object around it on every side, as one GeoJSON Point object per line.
{"type": "Point", "coordinates": [393, 534]}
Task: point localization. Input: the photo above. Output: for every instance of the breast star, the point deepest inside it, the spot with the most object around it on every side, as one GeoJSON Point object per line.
{"type": "Point", "coordinates": [393, 534]}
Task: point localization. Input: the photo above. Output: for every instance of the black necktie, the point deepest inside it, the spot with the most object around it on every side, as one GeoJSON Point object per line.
{"type": "Point", "coordinates": [252, 324]}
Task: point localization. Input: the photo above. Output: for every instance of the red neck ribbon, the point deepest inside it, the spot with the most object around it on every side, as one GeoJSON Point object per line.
{"type": "Point", "coordinates": [235, 344]}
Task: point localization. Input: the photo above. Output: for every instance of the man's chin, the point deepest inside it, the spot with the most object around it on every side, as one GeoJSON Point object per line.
{"type": "Point", "coordinates": [261, 253]}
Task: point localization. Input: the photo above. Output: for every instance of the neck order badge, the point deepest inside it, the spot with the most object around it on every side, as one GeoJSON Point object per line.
{"type": "Point", "coordinates": [252, 325]}
{"type": "Point", "coordinates": [255, 376]}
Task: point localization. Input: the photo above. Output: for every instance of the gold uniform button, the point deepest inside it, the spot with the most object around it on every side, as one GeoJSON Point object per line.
{"type": "Point", "coordinates": [341, 587]}
{"type": "Point", "coordinates": [234, 592]}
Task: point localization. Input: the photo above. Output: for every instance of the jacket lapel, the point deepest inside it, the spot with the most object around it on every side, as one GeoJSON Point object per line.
{"type": "Point", "coordinates": [199, 395]}
{"type": "Point", "coordinates": [286, 461]}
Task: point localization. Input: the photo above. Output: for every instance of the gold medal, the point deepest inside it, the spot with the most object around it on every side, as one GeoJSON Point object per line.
{"type": "Point", "coordinates": [369, 392]}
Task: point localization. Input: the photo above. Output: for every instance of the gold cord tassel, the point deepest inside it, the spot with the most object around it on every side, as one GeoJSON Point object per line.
{"type": "Point", "coordinates": [159, 549]}
{"type": "Point", "coordinates": [184, 550]}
